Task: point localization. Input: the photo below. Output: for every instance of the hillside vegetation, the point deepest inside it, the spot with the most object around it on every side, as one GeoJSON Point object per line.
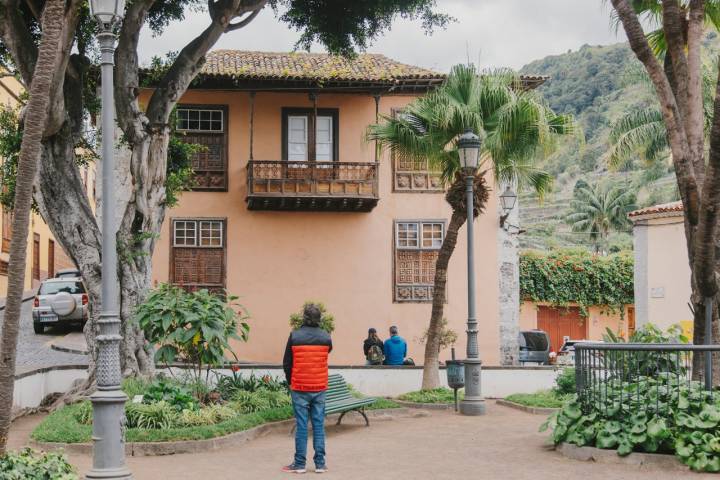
{"type": "Point", "coordinates": [597, 84]}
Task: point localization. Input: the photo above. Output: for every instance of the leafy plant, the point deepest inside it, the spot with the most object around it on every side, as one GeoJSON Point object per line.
{"type": "Point", "coordinates": [248, 402]}
{"type": "Point", "coordinates": [28, 464]}
{"type": "Point", "coordinates": [84, 413]}
{"type": "Point", "coordinates": [327, 321]}
{"type": "Point", "coordinates": [447, 336]}
{"type": "Point", "coordinates": [209, 415]}
{"type": "Point", "coordinates": [565, 382]}
{"type": "Point", "coordinates": [540, 399]}
{"type": "Point", "coordinates": [156, 415]}
{"type": "Point", "coordinates": [658, 414]}
{"type": "Point", "coordinates": [564, 277]}
{"type": "Point", "coordinates": [171, 392]}
{"type": "Point", "coordinates": [437, 395]}
{"type": "Point", "coordinates": [229, 385]}
{"type": "Point", "coordinates": [193, 327]}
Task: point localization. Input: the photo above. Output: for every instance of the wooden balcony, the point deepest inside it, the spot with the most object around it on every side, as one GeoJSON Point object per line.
{"type": "Point", "coordinates": [312, 186]}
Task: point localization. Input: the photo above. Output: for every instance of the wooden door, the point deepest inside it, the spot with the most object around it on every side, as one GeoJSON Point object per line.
{"type": "Point", "coordinates": [6, 230]}
{"type": "Point", "coordinates": [36, 257]}
{"type": "Point", "coordinates": [560, 323]}
{"type": "Point", "coordinates": [51, 258]}
{"type": "Point", "coordinates": [631, 322]}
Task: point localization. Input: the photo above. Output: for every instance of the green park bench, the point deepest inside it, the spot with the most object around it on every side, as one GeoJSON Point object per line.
{"type": "Point", "coordinates": [340, 400]}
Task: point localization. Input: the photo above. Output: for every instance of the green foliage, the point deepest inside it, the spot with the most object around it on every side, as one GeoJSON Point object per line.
{"type": "Point", "coordinates": [565, 382]}
{"type": "Point", "coordinates": [437, 395]}
{"type": "Point", "coordinates": [28, 464]}
{"type": "Point", "coordinates": [172, 393]}
{"type": "Point", "coordinates": [10, 139]}
{"type": "Point", "coordinates": [447, 336]}
{"type": "Point", "coordinates": [327, 320]}
{"type": "Point", "coordinates": [539, 399]}
{"type": "Point", "coordinates": [229, 385]}
{"type": "Point", "coordinates": [194, 327]}
{"type": "Point", "coordinates": [157, 415]}
{"type": "Point", "coordinates": [564, 277]}
{"type": "Point", "coordinates": [209, 415]}
{"type": "Point", "coordinates": [655, 414]}
{"type": "Point", "coordinates": [600, 208]}
{"type": "Point", "coordinates": [649, 333]}
{"type": "Point", "coordinates": [249, 402]}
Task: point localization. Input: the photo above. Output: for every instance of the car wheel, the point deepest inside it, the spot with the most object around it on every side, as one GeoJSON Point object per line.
{"type": "Point", "coordinates": [39, 328]}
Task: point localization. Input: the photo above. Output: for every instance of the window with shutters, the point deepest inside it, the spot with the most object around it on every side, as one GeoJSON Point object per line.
{"type": "Point", "coordinates": [6, 230]}
{"type": "Point", "coordinates": [414, 175]}
{"type": "Point", "coordinates": [417, 244]}
{"type": "Point", "coordinates": [206, 126]}
{"type": "Point", "coordinates": [198, 254]}
{"type": "Point", "coordinates": [310, 137]}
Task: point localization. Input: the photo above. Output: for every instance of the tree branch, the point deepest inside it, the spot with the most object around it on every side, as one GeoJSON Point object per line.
{"type": "Point", "coordinates": [16, 37]}
{"type": "Point", "coordinates": [242, 23]}
{"type": "Point", "coordinates": [671, 116]}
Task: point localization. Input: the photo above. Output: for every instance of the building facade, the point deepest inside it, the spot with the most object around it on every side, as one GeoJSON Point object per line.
{"type": "Point", "coordinates": [44, 254]}
{"type": "Point", "coordinates": [662, 273]}
{"type": "Point", "coordinates": [292, 204]}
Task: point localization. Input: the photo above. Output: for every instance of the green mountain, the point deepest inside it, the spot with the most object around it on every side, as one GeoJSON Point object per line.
{"type": "Point", "coordinates": [597, 84]}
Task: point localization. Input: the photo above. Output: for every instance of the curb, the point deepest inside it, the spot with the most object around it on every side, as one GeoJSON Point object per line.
{"type": "Point", "coordinates": [638, 460]}
{"type": "Point", "coordinates": [67, 347]}
{"type": "Point", "coordinates": [147, 449]}
{"type": "Point", "coordinates": [27, 295]}
{"type": "Point", "coordinates": [425, 406]}
{"type": "Point", "coordinates": [525, 408]}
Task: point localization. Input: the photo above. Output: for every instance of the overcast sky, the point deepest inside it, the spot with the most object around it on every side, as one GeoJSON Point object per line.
{"type": "Point", "coordinates": [493, 33]}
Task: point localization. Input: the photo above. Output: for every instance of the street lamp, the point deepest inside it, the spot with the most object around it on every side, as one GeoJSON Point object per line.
{"type": "Point", "coordinates": [469, 145]}
{"type": "Point", "coordinates": [109, 399]}
{"type": "Point", "coordinates": [507, 202]}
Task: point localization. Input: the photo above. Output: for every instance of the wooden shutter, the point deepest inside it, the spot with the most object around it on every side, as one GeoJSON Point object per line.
{"type": "Point", "coordinates": [6, 230]}
{"type": "Point", "coordinates": [210, 162]}
{"type": "Point", "coordinates": [196, 267]}
{"type": "Point", "coordinates": [51, 258]}
{"type": "Point", "coordinates": [36, 257]}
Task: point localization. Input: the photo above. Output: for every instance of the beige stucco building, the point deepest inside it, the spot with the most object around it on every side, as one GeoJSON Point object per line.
{"type": "Point", "coordinates": [662, 273]}
{"type": "Point", "coordinates": [292, 204]}
{"type": "Point", "coordinates": [44, 255]}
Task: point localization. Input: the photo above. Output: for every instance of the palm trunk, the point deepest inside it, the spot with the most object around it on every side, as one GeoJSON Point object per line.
{"type": "Point", "coordinates": [36, 116]}
{"type": "Point", "coordinates": [431, 372]}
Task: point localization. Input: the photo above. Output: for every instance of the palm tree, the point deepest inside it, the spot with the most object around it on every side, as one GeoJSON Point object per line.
{"type": "Point", "coordinates": [599, 209]}
{"type": "Point", "coordinates": [36, 113]}
{"type": "Point", "coordinates": [516, 124]}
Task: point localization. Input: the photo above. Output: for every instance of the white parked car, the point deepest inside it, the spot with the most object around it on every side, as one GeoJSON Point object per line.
{"type": "Point", "coordinates": [60, 300]}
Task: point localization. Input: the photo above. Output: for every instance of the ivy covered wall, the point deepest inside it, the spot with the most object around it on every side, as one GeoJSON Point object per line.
{"type": "Point", "coordinates": [561, 278]}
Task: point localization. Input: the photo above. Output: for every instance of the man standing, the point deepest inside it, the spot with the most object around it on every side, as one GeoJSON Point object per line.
{"type": "Point", "coordinates": [395, 348]}
{"type": "Point", "coordinates": [306, 369]}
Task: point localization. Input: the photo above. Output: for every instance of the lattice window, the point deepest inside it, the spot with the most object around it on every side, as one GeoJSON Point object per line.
{"type": "Point", "coordinates": [3, 268]}
{"type": "Point", "coordinates": [206, 127]}
{"type": "Point", "coordinates": [198, 254]}
{"type": "Point", "coordinates": [417, 245]}
{"type": "Point", "coordinates": [414, 175]}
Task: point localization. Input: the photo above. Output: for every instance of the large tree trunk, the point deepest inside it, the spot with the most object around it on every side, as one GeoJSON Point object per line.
{"type": "Point", "coordinates": [431, 372]}
{"type": "Point", "coordinates": [36, 115]}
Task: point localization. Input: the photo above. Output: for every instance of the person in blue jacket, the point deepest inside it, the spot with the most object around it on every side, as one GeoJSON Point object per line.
{"type": "Point", "coordinates": [395, 348]}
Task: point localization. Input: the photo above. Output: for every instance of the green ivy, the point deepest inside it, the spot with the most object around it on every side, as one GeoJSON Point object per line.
{"type": "Point", "coordinates": [561, 278]}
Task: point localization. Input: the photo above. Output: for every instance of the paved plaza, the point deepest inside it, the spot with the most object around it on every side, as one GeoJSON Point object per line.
{"type": "Point", "coordinates": [504, 444]}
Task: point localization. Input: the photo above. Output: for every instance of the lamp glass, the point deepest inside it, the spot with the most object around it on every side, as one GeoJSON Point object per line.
{"type": "Point", "coordinates": [469, 150]}
{"type": "Point", "coordinates": [508, 199]}
{"type": "Point", "coordinates": [107, 11]}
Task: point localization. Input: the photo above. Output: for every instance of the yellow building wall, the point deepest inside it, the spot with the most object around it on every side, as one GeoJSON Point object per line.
{"type": "Point", "coordinates": [277, 260]}
{"type": "Point", "coordinates": [10, 90]}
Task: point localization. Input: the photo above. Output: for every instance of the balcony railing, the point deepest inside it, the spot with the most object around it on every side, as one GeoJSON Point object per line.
{"type": "Point", "coordinates": [312, 186]}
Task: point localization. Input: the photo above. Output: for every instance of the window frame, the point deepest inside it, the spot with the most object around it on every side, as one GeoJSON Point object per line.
{"type": "Point", "coordinates": [223, 247]}
{"type": "Point", "coordinates": [224, 133]}
{"type": "Point", "coordinates": [394, 113]}
{"type": "Point", "coordinates": [334, 113]}
{"type": "Point", "coordinates": [419, 249]}
{"type": "Point", "coordinates": [200, 109]}
{"type": "Point", "coordinates": [197, 235]}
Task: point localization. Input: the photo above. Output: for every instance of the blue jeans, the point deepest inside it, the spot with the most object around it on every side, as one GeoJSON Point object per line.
{"type": "Point", "coordinates": [309, 404]}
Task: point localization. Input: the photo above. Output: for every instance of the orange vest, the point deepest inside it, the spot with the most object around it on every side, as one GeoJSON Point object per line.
{"type": "Point", "coordinates": [310, 368]}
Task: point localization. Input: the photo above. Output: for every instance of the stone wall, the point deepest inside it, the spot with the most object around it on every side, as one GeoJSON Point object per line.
{"type": "Point", "coordinates": [509, 286]}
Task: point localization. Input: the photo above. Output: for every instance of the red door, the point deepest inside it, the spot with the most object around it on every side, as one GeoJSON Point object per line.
{"type": "Point", "coordinates": [560, 323]}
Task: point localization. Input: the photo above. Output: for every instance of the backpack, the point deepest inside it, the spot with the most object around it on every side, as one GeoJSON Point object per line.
{"type": "Point", "coordinates": [375, 354]}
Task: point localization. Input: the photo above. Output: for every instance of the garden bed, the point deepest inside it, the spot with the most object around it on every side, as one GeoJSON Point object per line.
{"type": "Point", "coordinates": [436, 399]}
{"type": "Point", "coordinates": [667, 462]}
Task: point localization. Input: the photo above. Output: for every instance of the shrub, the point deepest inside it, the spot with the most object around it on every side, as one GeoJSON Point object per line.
{"type": "Point", "coordinates": [327, 321]}
{"type": "Point", "coordinates": [437, 395]}
{"type": "Point", "coordinates": [541, 399]}
{"type": "Point", "coordinates": [447, 336]}
{"type": "Point", "coordinates": [229, 385]}
{"type": "Point", "coordinates": [209, 415]}
{"type": "Point", "coordinates": [651, 414]}
{"type": "Point", "coordinates": [565, 382]}
{"type": "Point", "coordinates": [29, 464]}
{"type": "Point", "coordinates": [194, 327]}
{"type": "Point", "coordinates": [158, 415]}
{"type": "Point", "coordinates": [171, 392]}
{"type": "Point", "coordinates": [249, 402]}
{"type": "Point", "coordinates": [84, 413]}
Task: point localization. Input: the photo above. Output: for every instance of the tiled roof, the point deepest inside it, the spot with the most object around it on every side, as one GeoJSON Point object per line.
{"type": "Point", "coordinates": [672, 207]}
{"type": "Point", "coordinates": [367, 67]}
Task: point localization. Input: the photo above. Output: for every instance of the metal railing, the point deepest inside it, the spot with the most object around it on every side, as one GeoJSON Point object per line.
{"type": "Point", "coordinates": [636, 377]}
{"type": "Point", "coordinates": [319, 179]}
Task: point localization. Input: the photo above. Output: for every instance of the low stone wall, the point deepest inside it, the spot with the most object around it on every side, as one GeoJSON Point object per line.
{"type": "Point", "coordinates": [385, 381]}
{"type": "Point", "coordinates": [33, 385]}
{"type": "Point", "coordinates": [639, 460]}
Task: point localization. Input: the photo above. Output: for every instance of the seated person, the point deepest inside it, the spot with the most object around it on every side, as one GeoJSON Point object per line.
{"type": "Point", "coordinates": [395, 348]}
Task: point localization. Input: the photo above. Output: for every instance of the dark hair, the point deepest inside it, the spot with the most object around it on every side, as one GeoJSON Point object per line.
{"type": "Point", "coordinates": [311, 315]}
{"type": "Point", "coordinates": [372, 334]}
{"type": "Point", "coordinates": [393, 330]}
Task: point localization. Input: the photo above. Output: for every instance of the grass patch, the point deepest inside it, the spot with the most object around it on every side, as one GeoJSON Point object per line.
{"type": "Point", "coordinates": [540, 399]}
{"type": "Point", "coordinates": [437, 395]}
{"type": "Point", "coordinates": [383, 403]}
{"type": "Point", "coordinates": [62, 426]}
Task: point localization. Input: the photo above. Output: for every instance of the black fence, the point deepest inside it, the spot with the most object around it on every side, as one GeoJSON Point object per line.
{"type": "Point", "coordinates": [635, 377]}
